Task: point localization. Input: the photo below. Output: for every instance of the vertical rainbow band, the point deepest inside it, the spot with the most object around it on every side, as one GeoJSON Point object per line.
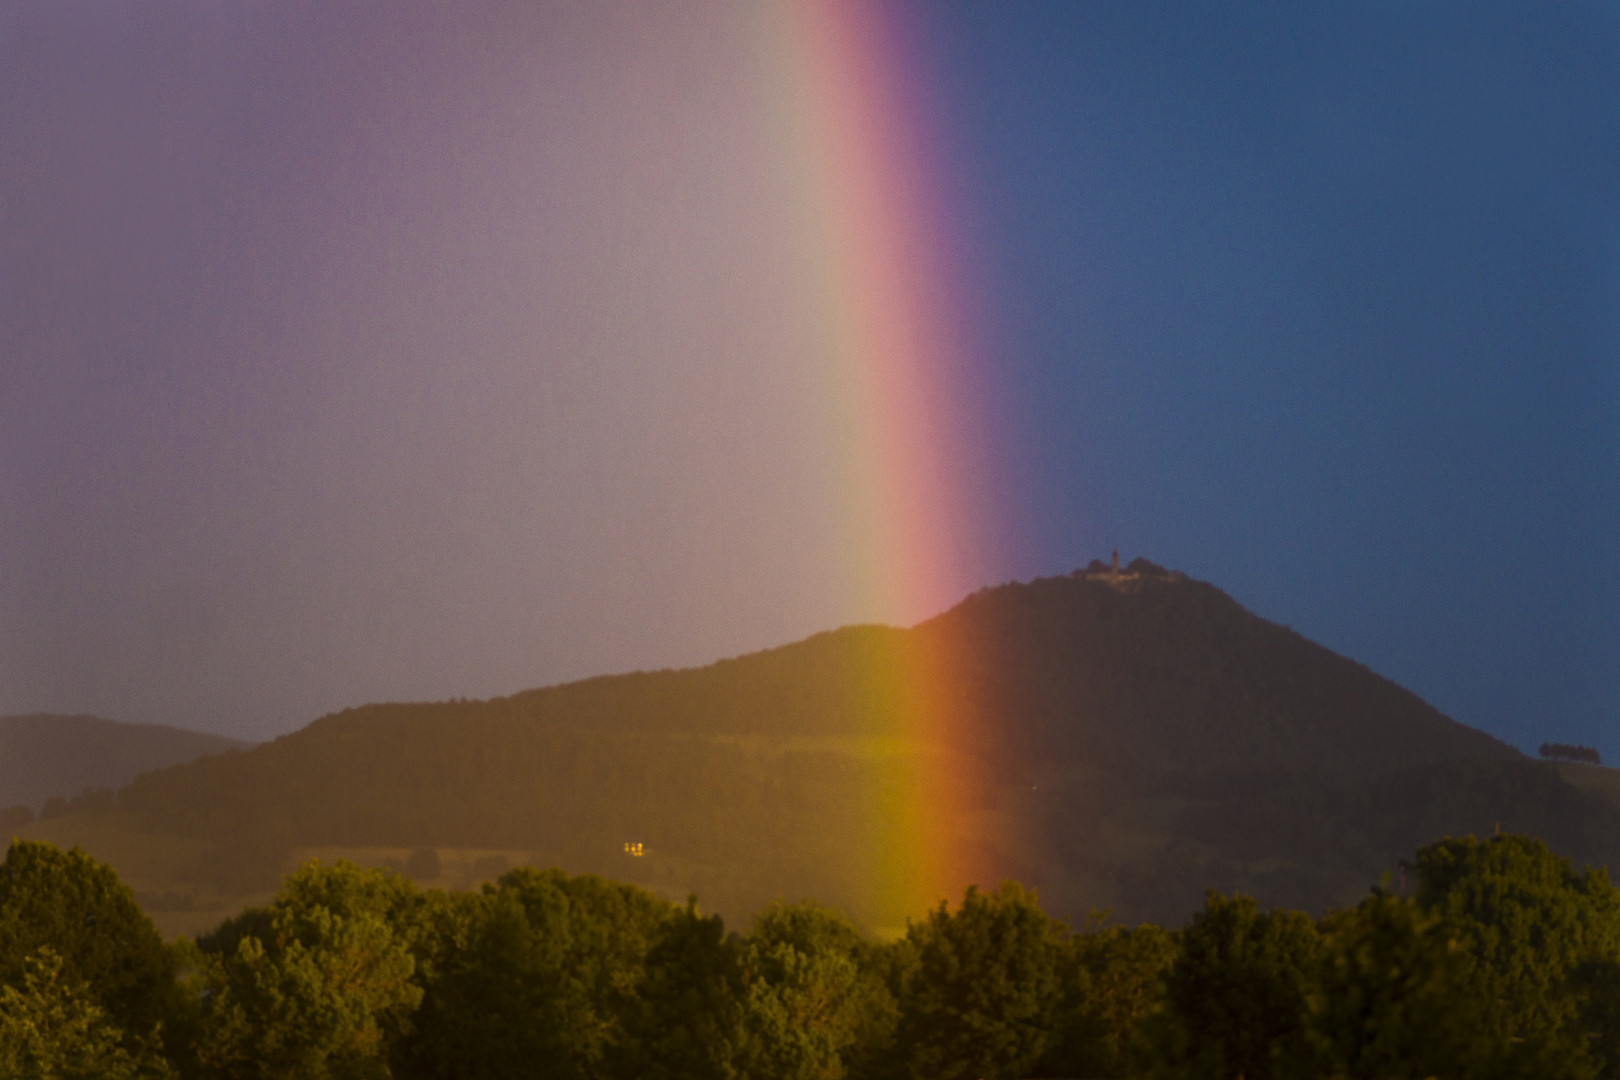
{"type": "Point", "coordinates": [898, 347]}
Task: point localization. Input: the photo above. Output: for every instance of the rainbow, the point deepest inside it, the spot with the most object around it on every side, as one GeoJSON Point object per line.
{"type": "Point", "coordinates": [901, 355]}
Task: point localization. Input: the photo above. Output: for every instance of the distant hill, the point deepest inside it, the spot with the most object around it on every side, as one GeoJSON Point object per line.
{"type": "Point", "coordinates": [44, 755]}
{"type": "Point", "coordinates": [1121, 740]}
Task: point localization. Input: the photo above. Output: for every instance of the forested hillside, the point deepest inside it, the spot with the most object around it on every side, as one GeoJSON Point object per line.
{"type": "Point", "coordinates": [1131, 738]}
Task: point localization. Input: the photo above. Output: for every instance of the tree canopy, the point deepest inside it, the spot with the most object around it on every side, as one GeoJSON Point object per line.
{"type": "Point", "coordinates": [1504, 965]}
{"type": "Point", "coordinates": [77, 909]}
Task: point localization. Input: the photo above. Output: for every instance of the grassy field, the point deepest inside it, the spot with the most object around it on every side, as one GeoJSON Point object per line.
{"type": "Point", "coordinates": [160, 869]}
{"type": "Point", "coordinates": [1072, 867]}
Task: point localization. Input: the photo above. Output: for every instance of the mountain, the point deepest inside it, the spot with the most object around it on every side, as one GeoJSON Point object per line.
{"type": "Point", "coordinates": [1119, 739]}
{"type": "Point", "coordinates": [44, 755]}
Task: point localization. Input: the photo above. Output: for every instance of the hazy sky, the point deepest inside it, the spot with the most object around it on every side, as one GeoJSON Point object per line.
{"type": "Point", "coordinates": [388, 351]}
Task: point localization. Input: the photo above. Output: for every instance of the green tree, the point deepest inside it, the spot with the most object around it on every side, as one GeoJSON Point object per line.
{"type": "Point", "coordinates": [1598, 982]}
{"type": "Point", "coordinates": [52, 1029]}
{"type": "Point", "coordinates": [539, 968]}
{"type": "Point", "coordinates": [313, 987]}
{"type": "Point", "coordinates": [1236, 995]}
{"type": "Point", "coordinates": [1540, 933]}
{"type": "Point", "coordinates": [1114, 981]}
{"type": "Point", "coordinates": [688, 1021]}
{"type": "Point", "coordinates": [813, 1005]}
{"type": "Point", "coordinates": [979, 992]}
{"type": "Point", "coordinates": [1396, 999]}
{"type": "Point", "coordinates": [68, 903]}
{"type": "Point", "coordinates": [424, 864]}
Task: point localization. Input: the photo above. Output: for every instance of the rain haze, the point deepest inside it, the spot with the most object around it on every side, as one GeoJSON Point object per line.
{"type": "Point", "coordinates": [384, 352]}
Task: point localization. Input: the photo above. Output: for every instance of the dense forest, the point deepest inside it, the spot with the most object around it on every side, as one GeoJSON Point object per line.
{"type": "Point", "coordinates": [1489, 960]}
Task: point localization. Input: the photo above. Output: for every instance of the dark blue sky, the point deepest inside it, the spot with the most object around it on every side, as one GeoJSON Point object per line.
{"type": "Point", "coordinates": [414, 351]}
{"type": "Point", "coordinates": [1322, 303]}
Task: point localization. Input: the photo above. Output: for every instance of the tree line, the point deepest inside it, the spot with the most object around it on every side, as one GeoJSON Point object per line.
{"type": "Point", "coordinates": [1558, 751]}
{"type": "Point", "coordinates": [1500, 961]}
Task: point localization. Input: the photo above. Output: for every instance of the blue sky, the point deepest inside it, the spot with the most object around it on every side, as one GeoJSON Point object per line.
{"type": "Point", "coordinates": [1320, 303]}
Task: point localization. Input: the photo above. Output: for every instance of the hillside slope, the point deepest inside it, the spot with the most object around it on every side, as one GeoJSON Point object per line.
{"type": "Point", "coordinates": [1123, 740]}
{"type": "Point", "coordinates": [43, 755]}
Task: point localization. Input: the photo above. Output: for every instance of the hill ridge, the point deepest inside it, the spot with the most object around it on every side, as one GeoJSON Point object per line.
{"type": "Point", "coordinates": [58, 755]}
{"type": "Point", "coordinates": [1132, 739]}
